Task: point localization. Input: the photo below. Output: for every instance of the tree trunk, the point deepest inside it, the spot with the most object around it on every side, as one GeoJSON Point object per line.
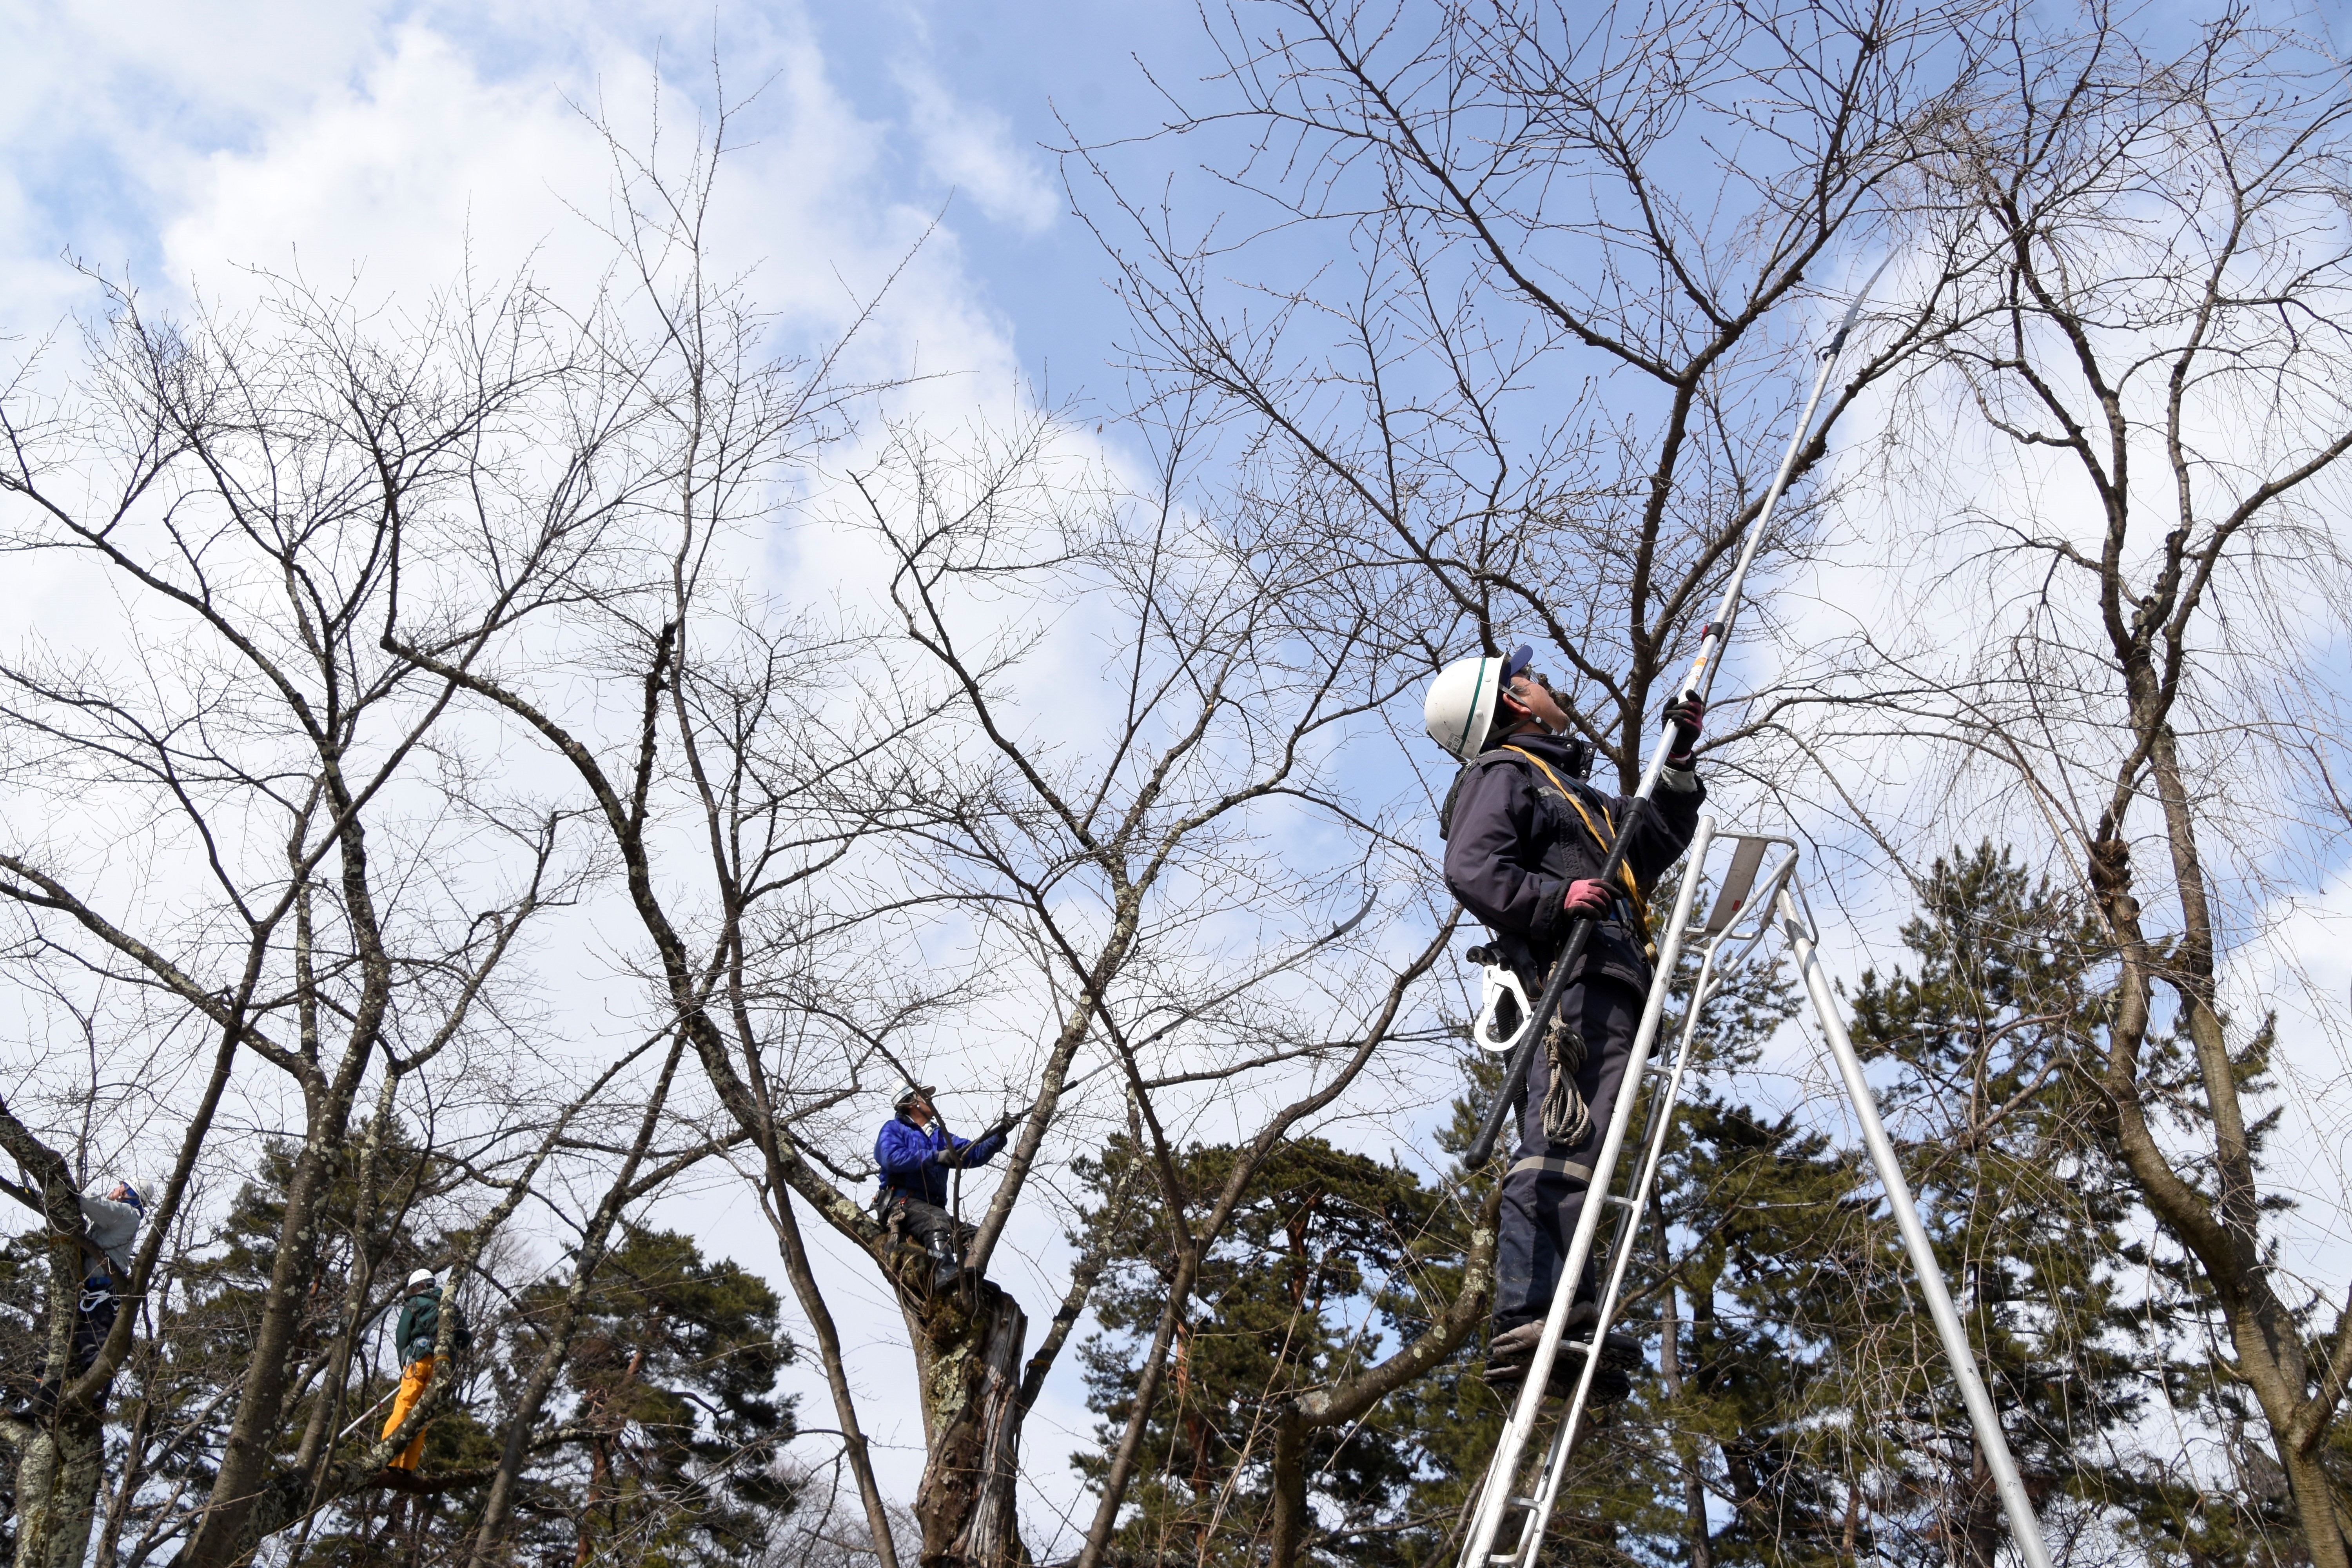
{"type": "Point", "coordinates": [2313, 1495]}
{"type": "Point", "coordinates": [1697, 1536]}
{"type": "Point", "coordinates": [971, 1406]}
{"type": "Point", "coordinates": [227, 1528]}
{"type": "Point", "coordinates": [1287, 1529]}
{"type": "Point", "coordinates": [1986, 1528]}
{"type": "Point", "coordinates": [56, 1489]}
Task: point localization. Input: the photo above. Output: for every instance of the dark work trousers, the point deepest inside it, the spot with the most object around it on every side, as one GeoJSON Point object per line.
{"type": "Point", "coordinates": [1544, 1191]}
{"type": "Point", "coordinates": [926, 1225]}
{"type": "Point", "coordinates": [93, 1320]}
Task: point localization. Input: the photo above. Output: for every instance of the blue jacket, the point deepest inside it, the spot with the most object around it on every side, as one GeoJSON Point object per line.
{"type": "Point", "coordinates": [910, 1157]}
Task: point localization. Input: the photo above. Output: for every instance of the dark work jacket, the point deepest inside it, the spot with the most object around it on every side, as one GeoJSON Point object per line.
{"type": "Point", "coordinates": [1513, 845]}
{"type": "Point", "coordinates": [420, 1326]}
{"type": "Point", "coordinates": [910, 1157]}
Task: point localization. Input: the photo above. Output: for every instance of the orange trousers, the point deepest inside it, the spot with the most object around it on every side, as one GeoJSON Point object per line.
{"type": "Point", "coordinates": [414, 1381]}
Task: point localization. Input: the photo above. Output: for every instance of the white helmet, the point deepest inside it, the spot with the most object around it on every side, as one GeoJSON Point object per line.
{"type": "Point", "coordinates": [1460, 708]}
{"type": "Point", "coordinates": [909, 1090]}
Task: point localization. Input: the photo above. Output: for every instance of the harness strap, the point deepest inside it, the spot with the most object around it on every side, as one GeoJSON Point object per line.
{"type": "Point", "coordinates": [1624, 871]}
{"type": "Point", "coordinates": [1551, 1164]}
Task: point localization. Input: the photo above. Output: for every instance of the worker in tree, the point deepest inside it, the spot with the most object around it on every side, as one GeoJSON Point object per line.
{"type": "Point", "coordinates": [1525, 838]}
{"type": "Point", "coordinates": [416, 1336]}
{"type": "Point", "coordinates": [916, 1153]}
{"type": "Point", "coordinates": [111, 1211]}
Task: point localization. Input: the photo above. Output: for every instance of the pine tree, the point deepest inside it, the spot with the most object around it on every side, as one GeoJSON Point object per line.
{"type": "Point", "coordinates": [1985, 1033]}
{"type": "Point", "coordinates": [1329, 1257]}
{"type": "Point", "coordinates": [672, 1372]}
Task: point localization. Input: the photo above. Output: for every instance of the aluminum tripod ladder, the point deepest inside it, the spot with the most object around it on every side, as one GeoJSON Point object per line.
{"type": "Point", "coordinates": [1757, 896]}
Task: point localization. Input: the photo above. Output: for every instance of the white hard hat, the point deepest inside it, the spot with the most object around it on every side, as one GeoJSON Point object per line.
{"type": "Point", "coordinates": [908, 1091]}
{"type": "Point", "coordinates": [1460, 707]}
{"type": "Point", "coordinates": [421, 1277]}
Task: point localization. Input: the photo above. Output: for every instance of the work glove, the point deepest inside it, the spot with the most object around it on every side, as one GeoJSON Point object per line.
{"type": "Point", "coordinates": [947, 1157]}
{"type": "Point", "coordinates": [1589, 897]}
{"type": "Point", "coordinates": [1687, 715]}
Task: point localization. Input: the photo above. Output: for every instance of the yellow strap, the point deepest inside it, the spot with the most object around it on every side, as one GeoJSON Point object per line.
{"type": "Point", "coordinates": [1640, 909]}
{"type": "Point", "coordinates": [1623, 870]}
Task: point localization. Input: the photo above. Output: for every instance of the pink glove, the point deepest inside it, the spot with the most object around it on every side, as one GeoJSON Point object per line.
{"type": "Point", "coordinates": [1589, 897]}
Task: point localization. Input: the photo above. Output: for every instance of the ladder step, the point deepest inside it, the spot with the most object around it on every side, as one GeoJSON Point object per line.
{"type": "Point", "coordinates": [1621, 1201]}
{"type": "Point", "coordinates": [1522, 1502]}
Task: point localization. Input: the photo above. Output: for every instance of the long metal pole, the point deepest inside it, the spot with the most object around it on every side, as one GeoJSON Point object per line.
{"type": "Point", "coordinates": [2024, 1528]}
{"type": "Point", "coordinates": [1713, 636]}
{"type": "Point", "coordinates": [1503, 1468]}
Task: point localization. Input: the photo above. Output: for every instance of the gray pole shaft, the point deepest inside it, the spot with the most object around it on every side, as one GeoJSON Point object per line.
{"type": "Point", "coordinates": [368, 1412]}
{"type": "Point", "coordinates": [2024, 1529]}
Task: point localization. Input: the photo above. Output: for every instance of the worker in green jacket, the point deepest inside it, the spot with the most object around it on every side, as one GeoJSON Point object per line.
{"type": "Point", "coordinates": [416, 1336]}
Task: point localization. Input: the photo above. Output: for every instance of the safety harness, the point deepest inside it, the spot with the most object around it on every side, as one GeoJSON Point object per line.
{"type": "Point", "coordinates": [1566, 1118]}
{"type": "Point", "coordinates": [1624, 872]}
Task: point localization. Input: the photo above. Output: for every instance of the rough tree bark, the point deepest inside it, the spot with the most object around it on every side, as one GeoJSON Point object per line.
{"type": "Point", "coordinates": [968, 1346]}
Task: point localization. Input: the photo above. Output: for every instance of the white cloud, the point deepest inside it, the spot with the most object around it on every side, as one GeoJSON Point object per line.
{"type": "Point", "coordinates": [973, 150]}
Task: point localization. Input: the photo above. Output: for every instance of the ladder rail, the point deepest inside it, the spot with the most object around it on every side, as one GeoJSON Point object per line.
{"type": "Point", "coordinates": [1776, 906]}
{"type": "Point", "coordinates": [1805, 944]}
{"type": "Point", "coordinates": [1758, 916]}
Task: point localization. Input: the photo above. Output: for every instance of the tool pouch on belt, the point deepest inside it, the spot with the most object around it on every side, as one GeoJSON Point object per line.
{"type": "Point", "coordinates": [1565, 1117]}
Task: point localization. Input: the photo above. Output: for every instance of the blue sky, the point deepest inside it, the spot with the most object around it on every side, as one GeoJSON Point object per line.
{"type": "Point", "coordinates": [178, 143]}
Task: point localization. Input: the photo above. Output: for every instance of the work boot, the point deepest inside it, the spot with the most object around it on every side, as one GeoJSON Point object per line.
{"type": "Point", "coordinates": [946, 1271]}
{"type": "Point", "coordinates": [1610, 1384]}
{"type": "Point", "coordinates": [1511, 1351]}
{"type": "Point", "coordinates": [35, 1403]}
{"type": "Point", "coordinates": [1517, 1344]}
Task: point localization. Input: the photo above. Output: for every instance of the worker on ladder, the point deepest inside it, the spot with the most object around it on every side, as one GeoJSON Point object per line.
{"type": "Point", "coordinates": [1525, 838]}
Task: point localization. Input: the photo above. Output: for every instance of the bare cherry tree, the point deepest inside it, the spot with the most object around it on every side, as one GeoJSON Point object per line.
{"type": "Point", "coordinates": [1525, 293]}
{"type": "Point", "coordinates": [2108, 623]}
{"type": "Point", "coordinates": [228, 803]}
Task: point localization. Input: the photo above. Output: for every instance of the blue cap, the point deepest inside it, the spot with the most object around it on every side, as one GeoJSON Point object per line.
{"type": "Point", "coordinates": [1516, 664]}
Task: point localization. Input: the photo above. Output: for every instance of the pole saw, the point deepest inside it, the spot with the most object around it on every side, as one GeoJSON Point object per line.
{"type": "Point", "coordinates": [1713, 638]}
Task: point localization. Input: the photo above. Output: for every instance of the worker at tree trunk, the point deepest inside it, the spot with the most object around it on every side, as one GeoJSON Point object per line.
{"type": "Point", "coordinates": [110, 1211]}
{"type": "Point", "coordinates": [416, 1336]}
{"type": "Point", "coordinates": [1525, 842]}
{"type": "Point", "coordinates": [113, 1210]}
{"type": "Point", "coordinates": [916, 1153]}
